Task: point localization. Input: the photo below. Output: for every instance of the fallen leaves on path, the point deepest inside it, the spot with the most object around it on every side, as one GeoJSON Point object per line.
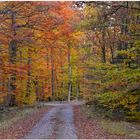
{"type": "Point", "coordinates": [88, 128]}
{"type": "Point", "coordinates": [23, 126]}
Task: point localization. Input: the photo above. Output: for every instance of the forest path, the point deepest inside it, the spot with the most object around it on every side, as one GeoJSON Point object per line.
{"type": "Point", "coordinates": [57, 123]}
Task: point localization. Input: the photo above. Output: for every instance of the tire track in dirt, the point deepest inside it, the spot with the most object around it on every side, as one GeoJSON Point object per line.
{"type": "Point", "coordinates": [57, 123]}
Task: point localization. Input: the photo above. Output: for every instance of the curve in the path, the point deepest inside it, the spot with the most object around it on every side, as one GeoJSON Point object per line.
{"type": "Point", "coordinates": [57, 123]}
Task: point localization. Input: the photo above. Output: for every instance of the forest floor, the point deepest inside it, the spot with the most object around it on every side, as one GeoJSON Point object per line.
{"type": "Point", "coordinates": [62, 120]}
{"type": "Point", "coordinates": [91, 125]}
{"type": "Point", "coordinates": [16, 122]}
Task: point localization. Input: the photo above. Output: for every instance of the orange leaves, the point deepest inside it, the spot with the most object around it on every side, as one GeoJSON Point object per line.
{"type": "Point", "coordinates": [14, 69]}
{"type": "Point", "coordinates": [43, 31]}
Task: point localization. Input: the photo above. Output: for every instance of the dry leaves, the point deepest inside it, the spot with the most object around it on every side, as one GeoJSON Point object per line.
{"type": "Point", "coordinates": [87, 128]}
{"type": "Point", "coordinates": [20, 128]}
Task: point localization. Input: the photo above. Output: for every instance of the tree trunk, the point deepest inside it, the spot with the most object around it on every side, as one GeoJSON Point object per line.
{"type": "Point", "coordinates": [112, 54]}
{"type": "Point", "coordinates": [69, 74]}
{"type": "Point", "coordinates": [103, 49]}
{"type": "Point", "coordinates": [12, 59]}
{"type": "Point", "coordinates": [52, 72]}
{"type": "Point", "coordinates": [29, 74]}
{"type": "Point", "coordinates": [78, 90]}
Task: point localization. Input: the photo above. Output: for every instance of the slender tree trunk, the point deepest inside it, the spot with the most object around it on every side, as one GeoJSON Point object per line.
{"type": "Point", "coordinates": [78, 90]}
{"type": "Point", "coordinates": [69, 74]}
{"type": "Point", "coordinates": [112, 54]}
{"type": "Point", "coordinates": [103, 55]}
{"type": "Point", "coordinates": [124, 31]}
{"type": "Point", "coordinates": [52, 72]}
{"type": "Point", "coordinates": [103, 47]}
{"type": "Point", "coordinates": [12, 60]}
{"type": "Point", "coordinates": [62, 72]}
{"type": "Point", "coordinates": [29, 74]}
{"type": "Point", "coordinates": [9, 91]}
{"type": "Point", "coordinates": [36, 88]}
{"type": "Point", "coordinates": [56, 85]}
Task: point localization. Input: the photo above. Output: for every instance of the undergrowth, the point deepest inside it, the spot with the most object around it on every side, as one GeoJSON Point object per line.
{"type": "Point", "coordinates": [114, 127]}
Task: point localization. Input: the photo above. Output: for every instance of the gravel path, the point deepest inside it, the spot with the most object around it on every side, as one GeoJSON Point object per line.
{"type": "Point", "coordinates": [55, 124]}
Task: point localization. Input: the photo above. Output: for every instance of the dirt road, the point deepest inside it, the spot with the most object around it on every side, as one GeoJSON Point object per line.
{"type": "Point", "coordinates": [57, 123]}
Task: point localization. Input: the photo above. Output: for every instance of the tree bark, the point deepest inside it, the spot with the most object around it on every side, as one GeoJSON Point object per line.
{"type": "Point", "coordinates": [69, 75]}
{"type": "Point", "coordinates": [29, 74]}
{"type": "Point", "coordinates": [103, 48]}
{"type": "Point", "coordinates": [12, 60]}
{"type": "Point", "coordinates": [52, 72]}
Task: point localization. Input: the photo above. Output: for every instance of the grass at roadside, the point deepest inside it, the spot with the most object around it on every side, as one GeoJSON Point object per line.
{"type": "Point", "coordinates": [115, 127]}
{"type": "Point", "coordinates": [11, 115]}
{"type": "Point", "coordinates": [17, 122]}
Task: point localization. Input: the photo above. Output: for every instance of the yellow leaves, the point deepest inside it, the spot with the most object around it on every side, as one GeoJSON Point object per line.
{"type": "Point", "coordinates": [130, 102]}
{"type": "Point", "coordinates": [90, 11]}
{"type": "Point", "coordinates": [32, 98]}
{"type": "Point", "coordinates": [134, 27]}
{"type": "Point", "coordinates": [78, 35]}
{"type": "Point", "coordinates": [2, 96]}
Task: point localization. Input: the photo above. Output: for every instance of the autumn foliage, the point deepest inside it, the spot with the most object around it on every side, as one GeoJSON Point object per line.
{"type": "Point", "coordinates": [70, 50]}
{"type": "Point", "coordinates": [34, 45]}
